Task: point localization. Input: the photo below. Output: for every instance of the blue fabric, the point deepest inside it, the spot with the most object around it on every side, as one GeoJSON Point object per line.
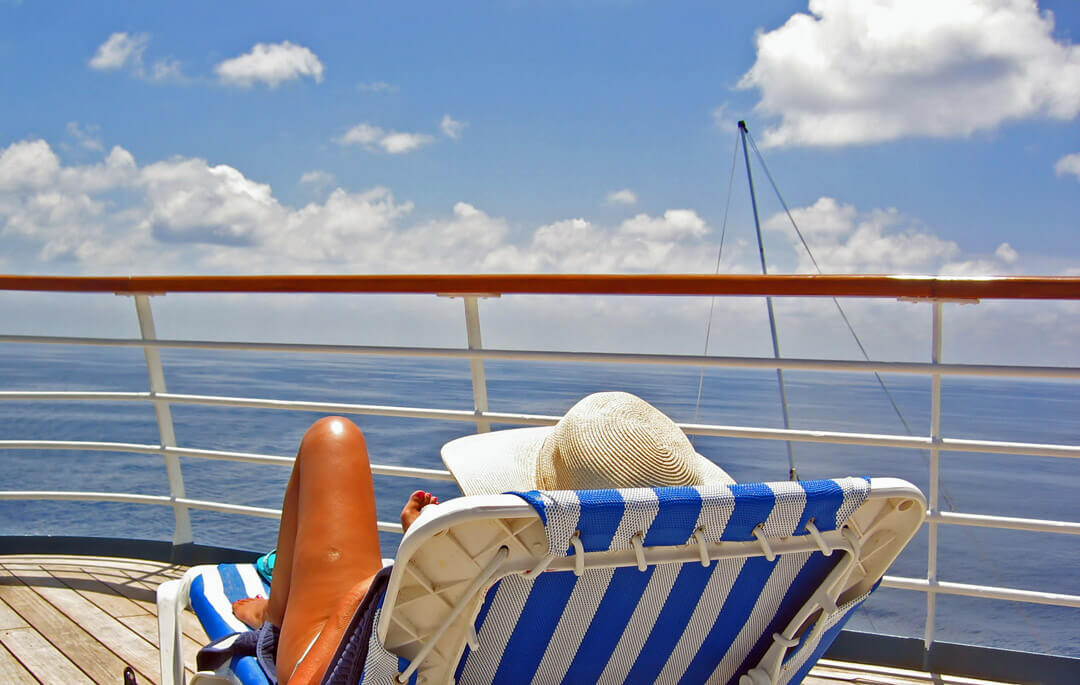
{"type": "Point", "coordinates": [740, 602]}
{"type": "Point", "coordinates": [823, 500]}
{"type": "Point", "coordinates": [677, 518]}
{"type": "Point", "coordinates": [402, 664]}
{"type": "Point", "coordinates": [800, 590]}
{"type": "Point", "coordinates": [484, 608]}
{"type": "Point", "coordinates": [246, 668]}
{"type": "Point", "coordinates": [597, 515]}
{"type": "Point", "coordinates": [753, 504]}
{"type": "Point", "coordinates": [823, 646]}
{"type": "Point", "coordinates": [541, 615]}
{"type": "Point", "coordinates": [681, 601]}
{"type": "Point", "coordinates": [605, 510]}
{"type": "Point", "coordinates": [212, 623]}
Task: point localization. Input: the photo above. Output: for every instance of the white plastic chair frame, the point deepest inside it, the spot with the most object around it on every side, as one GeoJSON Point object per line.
{"type": "Point", "coordinates": [456, 550]}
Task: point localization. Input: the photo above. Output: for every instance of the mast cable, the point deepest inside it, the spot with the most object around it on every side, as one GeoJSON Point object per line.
{"type": "Point", "coordinates": [907, 427]}
{"type": "Point", "coordinates": [712, 300]}
{"type": "Point", "coordinates": [843, 314]}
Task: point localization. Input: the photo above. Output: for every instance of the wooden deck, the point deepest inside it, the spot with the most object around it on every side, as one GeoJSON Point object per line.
{"type": "Point", "coordinates": [68, 620]}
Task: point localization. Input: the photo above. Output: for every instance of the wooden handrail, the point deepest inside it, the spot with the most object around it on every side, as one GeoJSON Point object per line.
{"type": "Point", "coordinates": [916, 287]}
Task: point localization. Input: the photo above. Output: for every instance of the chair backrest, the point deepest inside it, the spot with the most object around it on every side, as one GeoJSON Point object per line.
{"type": "Point", "coordinates": [643, 585]}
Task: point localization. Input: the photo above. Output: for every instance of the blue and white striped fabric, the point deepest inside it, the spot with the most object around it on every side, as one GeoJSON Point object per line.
{"type": "Point", "coordinates": [672, 623]}
{"type": "Point", "coordinates": [212, 595]}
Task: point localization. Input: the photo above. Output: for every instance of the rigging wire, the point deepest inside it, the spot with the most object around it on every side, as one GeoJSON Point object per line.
{"type": "Point", "coordinates": [907, 427]}
{"type": "Point", "coordinates": [843, 314]}
{"type": "Point", "coordinates": [712, 300]}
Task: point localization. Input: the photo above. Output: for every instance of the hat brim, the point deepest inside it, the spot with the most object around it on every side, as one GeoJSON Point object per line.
{"type": "Point", "coordinates": [504, 461]}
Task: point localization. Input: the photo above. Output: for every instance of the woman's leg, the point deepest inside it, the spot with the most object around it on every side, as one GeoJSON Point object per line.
{"type": "Point", "coordinates": [328, 545]}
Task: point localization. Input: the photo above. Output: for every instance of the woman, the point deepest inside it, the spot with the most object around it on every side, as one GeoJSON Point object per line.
{"type": "Point", "coordinates": [328, 544]}
{"type": "Point", "coordinates": [327, 550]}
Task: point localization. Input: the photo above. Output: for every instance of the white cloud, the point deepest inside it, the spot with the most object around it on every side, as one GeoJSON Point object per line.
{"type": "Point", "coordinates": [721, 117]}
{"type": "Point", "coordinates": [27, 165]}
{"type": "Point", "coordinates": [1069, 164]}
{"type": "Point", "coordinates": [272, 64]}
{"type": "Point", "coordinates": [125, 51]}
{"type": "Point", "coordinates": [86, 137]}
{"type": "Point", "coordinates": [847, 240]}
{"type": "Point", "coordinates": [377, 87]}
{"type": "Point", "coordinates": [166, 69]}
{"type": "Point", "coordinates": [1006, 253]}
{"type": "Point", "coordinates": [187, 215]}
{"type": "Point", "coordinates": [622, 197]}
{"type": "Point", "coordinates": [853, 71]}
{"type": "Point", "coordinates": [675, 224]}
{"type": "Point", "coordinates": [391, 142]}
{"type": "Point", "coordinates": [451, 127]}
{"type": "Point", "coordinates": [119, 50]}
{"type": "Point", "coordinates": [317, 178]}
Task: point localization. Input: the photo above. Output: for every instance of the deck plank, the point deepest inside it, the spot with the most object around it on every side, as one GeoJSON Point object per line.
{"type": "Point", "coordinates": [189, 623]}
{"type": "Point", "coordinates": [13, 672]}
{"type": "Point", "coordinates": [8, 617]}
{"type": "Point", "coordinates": [44, 625]}
{"type": "Point", "coordinates": [147, 627]}
{"type": "Point", "coordinates": [98, 592]}
{"type": "Point", "coordinates": [117, 637]}
{"type": "Point", "coordinates": [65, 633]}
{"type": "Point", "coordinates": [42, 659]}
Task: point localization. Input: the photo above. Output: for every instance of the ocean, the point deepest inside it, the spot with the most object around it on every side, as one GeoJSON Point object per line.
{"type": "Point", "coordinates": [991, 409]}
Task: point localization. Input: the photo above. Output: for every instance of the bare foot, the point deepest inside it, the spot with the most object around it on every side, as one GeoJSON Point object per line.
{"type": "Point", "coordinates": [417, 501]}
{"type": "Point", "coordinates": [251, 610]}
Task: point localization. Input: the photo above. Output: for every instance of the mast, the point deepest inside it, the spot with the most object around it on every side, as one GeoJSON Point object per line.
{"type": "Point", "coordinates": [792, 474]}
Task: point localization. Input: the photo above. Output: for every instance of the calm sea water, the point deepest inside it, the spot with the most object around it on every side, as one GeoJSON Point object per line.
{"type": "Point", "coordinates": [978, 483]}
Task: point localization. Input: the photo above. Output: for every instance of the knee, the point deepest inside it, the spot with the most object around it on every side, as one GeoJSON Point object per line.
{"type": "Point", "coordinates": [333, 430]}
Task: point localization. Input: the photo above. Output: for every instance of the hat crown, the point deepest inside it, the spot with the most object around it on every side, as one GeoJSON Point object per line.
{"type": "Point", "coordinates": [615, 440]}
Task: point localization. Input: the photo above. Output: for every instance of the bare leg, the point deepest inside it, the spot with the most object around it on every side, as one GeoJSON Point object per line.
{"type": "Point", "coordinates": [328, 546]}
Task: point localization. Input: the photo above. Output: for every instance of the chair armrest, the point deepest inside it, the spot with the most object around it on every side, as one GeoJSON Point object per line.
{"type": "Point", "coordinates": [173, 597]}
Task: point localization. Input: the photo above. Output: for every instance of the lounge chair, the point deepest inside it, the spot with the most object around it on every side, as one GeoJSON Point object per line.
{"type": "Point", "coordinates": [748, 583]}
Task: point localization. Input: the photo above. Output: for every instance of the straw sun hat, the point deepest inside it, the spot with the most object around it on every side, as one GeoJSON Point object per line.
{"type": "Point", "coordinates": [607, 440]}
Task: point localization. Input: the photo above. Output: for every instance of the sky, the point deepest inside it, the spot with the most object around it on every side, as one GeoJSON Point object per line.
{"type": "Point", "coordinates": [906, 136]}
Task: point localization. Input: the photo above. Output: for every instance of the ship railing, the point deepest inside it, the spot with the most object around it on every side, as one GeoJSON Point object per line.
{"type": "Point", "coordinates": [932, 290]}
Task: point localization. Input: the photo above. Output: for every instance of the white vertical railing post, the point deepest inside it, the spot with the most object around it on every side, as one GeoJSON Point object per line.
{"type": "Point", "coordinates": [182, 528]}
{"type": "Point", "coordinates": [935, 442]}
{"type": "Point", "coordinates": [479, 381]}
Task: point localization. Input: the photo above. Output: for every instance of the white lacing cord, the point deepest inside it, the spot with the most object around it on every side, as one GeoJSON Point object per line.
{"type": "Point", "coordinates": [818, 538]}
{"type": "Point", "coordinates": [579, 555]}
{"type": "Point", "coordinates": [699, 536]}
{"type": "Point", "coordinates": [759, 533]}
{"type": "Point", "coordinates": [638, 543]}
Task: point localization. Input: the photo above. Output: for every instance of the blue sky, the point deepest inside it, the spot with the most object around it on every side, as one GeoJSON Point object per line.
{"type": "Point", "coordinates": [917, 136]}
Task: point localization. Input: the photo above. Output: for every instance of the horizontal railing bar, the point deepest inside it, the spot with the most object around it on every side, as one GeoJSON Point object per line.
{"type": "Point", "coordinates": [763, 363]}
{"type": "Point", "coordinates": [776, 285]}
{"type": "Point", "coordinates": [1005, 522]}
{"type": "Point", "coordinates": [126, 498]}
{"type": "Point", "coordinates": [218, 455]}
{"type": "Point", "coordinates": [983, 591]}
{"type": "Point", "coordinates": [951, 518]}
{"type": "Point", "coordinates": [829, 437]}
